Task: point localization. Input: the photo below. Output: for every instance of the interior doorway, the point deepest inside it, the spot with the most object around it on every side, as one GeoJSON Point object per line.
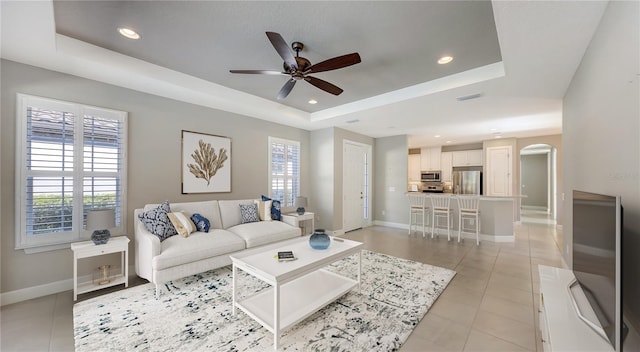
{"type": "Point", "coordinates": [538, 183]}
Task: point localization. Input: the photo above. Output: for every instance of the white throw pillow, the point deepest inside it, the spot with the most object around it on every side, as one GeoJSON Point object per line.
{"type": "Point", "coordinates": [264, 209]}
{"type": "Point", "coordinates": [182, 223]}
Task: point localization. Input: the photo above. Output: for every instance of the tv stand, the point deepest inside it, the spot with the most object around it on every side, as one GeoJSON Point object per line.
{"type": "Point", "coordinates": [560, 325]}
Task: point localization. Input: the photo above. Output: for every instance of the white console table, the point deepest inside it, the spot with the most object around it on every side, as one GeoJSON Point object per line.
{"type": "Point", "coordinates": [561, 328]}
{"type": "Point", "coordinates": [304, 221]}
{"type": "Point", "coordinates": [88, 249]}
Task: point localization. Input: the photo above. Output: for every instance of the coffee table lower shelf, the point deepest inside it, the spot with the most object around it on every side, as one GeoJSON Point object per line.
{"type": "Point", "coordinates": [303, 297]}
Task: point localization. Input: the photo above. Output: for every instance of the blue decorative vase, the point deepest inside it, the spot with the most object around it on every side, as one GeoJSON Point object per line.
{"type": "Point", "coordinates": [319, 239]}
{"type": "Point", "coordinates": [100, 236]}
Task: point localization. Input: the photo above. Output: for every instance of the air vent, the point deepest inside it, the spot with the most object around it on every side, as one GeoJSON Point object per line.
{"type": "Point", "coordinates": [469, 97]}
{"type": "Point", "coordinates": [353, 121]}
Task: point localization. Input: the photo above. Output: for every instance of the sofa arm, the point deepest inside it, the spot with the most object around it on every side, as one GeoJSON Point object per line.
{"type": "Point", "coordinates": [147, 247]}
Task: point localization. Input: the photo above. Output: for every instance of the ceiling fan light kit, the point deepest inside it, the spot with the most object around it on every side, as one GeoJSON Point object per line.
{"type": "Point", "coordinates": [298, 68]}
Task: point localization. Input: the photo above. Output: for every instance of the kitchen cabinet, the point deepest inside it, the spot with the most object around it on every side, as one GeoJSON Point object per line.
{"type": "Point", "coordinates": [430, 158]}
{"type": "Point", "coordinates": [446, 165]}
{"type": "Point", "coordinates": [467, 158]}
{"type": "Point", "coordinates": [414, 167]}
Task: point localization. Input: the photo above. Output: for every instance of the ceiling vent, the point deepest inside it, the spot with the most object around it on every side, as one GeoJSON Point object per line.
{"type": "Point", "coordinates": [469, 97]}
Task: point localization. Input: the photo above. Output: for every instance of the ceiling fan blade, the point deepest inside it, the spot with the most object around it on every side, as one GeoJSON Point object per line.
{"type": "Point", "coordinates": [283, 49]}
{"type": "Point", "coordinates": [286, 89]}
{"type": "Point", "coordinates": [259, 72]}
{"type": "Point", "coordinates": [324, 85]}
{"type": "Point", "coordinates": [335, 63]}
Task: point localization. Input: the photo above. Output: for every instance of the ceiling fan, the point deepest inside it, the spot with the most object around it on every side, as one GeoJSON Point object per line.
{"type": "Point", "coordinates": [299, 68]}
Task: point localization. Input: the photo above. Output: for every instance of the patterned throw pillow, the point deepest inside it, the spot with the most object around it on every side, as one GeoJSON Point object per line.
{"type": "Point", "coordinates": [276, 212]}
{"type": "Point", "coordinates": [249, 213]}
{"type": "Point", "coordinates": [157, 221]}
{"type": "Point", "coordinates": [184, 226]}
{"type": "Point", "coordinates": [202, 223]}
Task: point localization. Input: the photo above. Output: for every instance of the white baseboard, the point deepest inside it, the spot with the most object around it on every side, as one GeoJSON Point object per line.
{"type": "Point", "coordinates": [25, 294]}
{"type": "Point", "coordinates": [391, 224]}
{"type": "Point", "coordinates": [483, 237]}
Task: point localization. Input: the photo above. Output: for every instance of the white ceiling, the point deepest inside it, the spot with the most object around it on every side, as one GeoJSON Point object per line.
{"type": "Point", "coordinates": [520, 56]}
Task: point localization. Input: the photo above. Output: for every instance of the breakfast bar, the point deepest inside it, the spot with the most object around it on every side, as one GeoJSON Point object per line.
{"type": "Point", "coordinates": [497, 216]}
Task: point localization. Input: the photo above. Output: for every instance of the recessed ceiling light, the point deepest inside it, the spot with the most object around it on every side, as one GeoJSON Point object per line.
{"type": "Point", "coordinates": [437, 136]}
{"type": "Point", "coordinates": [445, 60]}
{"type": "Point", "coordinates": [129, 33]}
{"type": "Point", "coordinates": [448, 142]}
{"type": "Point", "coordinates": [313, 101]}
{"type": "Point", "coordinates": [494, 129]}
{"type": "Point", "coordinates": [498, 137]}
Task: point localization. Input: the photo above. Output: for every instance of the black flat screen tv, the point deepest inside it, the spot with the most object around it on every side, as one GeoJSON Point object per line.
{"type": "Point", "coordinates": [597, 258]}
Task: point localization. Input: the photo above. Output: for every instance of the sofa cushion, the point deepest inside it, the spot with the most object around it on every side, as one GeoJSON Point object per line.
{"type": "Point", "coordinates": [249, 213]}
{"type": "Point", "coordinates": [179, 250]}
{"type": "Point", "coordinates": [230, 211]}
{"type": "Point", "coordinates": [263, 232]}
{"type": "Point", "coordinates": [156, 221]}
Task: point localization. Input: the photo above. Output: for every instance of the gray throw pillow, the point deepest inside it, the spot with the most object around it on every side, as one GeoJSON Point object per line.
{"type": "Point", "coordinates": [249, 213]}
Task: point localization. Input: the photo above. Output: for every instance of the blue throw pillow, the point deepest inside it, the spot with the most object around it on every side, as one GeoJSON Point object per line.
{"type": "Point", "coordinates": [202, 223]}
{"type": "Point", "coordinates": [157, 222]}
{"type": "Point", "coordinates": [276, 213]}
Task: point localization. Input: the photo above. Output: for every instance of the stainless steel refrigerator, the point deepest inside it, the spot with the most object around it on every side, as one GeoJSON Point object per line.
{"type": "Point", "coordinates": [467, 182]}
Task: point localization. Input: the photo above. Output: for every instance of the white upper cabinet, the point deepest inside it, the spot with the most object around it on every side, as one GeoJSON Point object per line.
{"type": "Point", "coordinates": [430, 158]}
{"type": "Point", "coordinates": [446, 163]}
{"type": "Point", "coordinates": [467, 158]}
{"type": "Point", "coordinates": [414, 167]}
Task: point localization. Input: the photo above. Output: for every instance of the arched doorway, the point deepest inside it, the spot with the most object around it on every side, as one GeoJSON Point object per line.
{"type": "Point", "coordinates": [538, 183]}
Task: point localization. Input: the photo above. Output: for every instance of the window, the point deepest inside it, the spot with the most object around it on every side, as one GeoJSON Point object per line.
{"type": "Point", "coordinates": [284, 170]}
{"type": "Point", "coordinates": [70, 159]}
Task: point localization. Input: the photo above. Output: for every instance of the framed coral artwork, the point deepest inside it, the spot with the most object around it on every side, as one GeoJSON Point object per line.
{"type": "Point", "coordinates": [206, 163]}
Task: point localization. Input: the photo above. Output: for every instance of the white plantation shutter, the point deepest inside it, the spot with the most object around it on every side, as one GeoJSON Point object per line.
{"type": "Point", "coordinates": [70, 160]}
{"type": "Point", "coordinates": [284, 170]}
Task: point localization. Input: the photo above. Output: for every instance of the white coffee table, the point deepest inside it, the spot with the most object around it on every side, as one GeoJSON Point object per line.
{"type": "Point", "coordinates": [299, 288]}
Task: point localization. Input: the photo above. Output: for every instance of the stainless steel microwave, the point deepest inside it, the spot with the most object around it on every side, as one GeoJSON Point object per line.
{"type": "Point", "coordinates": [431, 176]}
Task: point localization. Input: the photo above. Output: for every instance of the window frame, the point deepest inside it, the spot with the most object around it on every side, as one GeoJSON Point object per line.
{"type": "Point", "coordinates": [58, 240]}
{"type": "Point", "coordinates": [286, 142]}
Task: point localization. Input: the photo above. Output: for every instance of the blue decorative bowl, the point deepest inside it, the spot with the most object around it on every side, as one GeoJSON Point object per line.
{"type": "Point", "coordinates": [319, 240]}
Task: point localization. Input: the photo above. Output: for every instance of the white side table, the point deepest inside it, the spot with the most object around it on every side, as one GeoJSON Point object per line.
{"type": "Point", "coordinates": [304, 221]}
{"type": "Point", "coordinates": [88, 249]}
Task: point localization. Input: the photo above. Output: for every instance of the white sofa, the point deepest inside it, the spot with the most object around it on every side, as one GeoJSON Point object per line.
{"type": "Point", "coordinates": [177, 256]}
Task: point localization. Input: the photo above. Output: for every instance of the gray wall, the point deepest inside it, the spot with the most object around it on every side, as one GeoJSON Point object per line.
{"type": "Point", "coordinates": [534, 174]}
{"type": "Point", "coordinates": [391, 165]}
{"type": "Point", "coordinates": [326, 163]}
{"type": "Point", "coordinates": [323, 168]}
{"type": "Point", "coordinates": [154, 152]}
{"type": "Point", "coordinates": [601, 133]}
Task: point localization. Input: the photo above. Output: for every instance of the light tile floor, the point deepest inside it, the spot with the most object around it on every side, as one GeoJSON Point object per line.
{"type": "Point", "coordinates": [490, 305]}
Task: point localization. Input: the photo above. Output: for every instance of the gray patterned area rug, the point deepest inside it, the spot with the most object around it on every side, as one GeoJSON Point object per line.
{"type": "Point", "coordinates": [195, 313]}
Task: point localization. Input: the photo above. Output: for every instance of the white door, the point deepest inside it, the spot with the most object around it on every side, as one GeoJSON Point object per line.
{"type": "Point", "coordinates": [354, 159]}
{"type": "Point", "coordinates": [499, 171]}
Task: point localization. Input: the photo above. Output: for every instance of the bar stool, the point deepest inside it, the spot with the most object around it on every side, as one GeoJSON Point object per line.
{"type": "Point", "coordinates": [468, 208]}
{"type": "Point", "coordinates": [441, 209]}
{"type": "Point", "coordinates": [418, 207]}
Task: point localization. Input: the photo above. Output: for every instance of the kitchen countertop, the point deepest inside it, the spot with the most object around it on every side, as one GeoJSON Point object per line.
{"type": "Point", "coordinates": [481, 197]}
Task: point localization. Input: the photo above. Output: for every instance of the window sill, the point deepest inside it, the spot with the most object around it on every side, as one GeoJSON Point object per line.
{"type": "Point", "coordinates": [40, 249]}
